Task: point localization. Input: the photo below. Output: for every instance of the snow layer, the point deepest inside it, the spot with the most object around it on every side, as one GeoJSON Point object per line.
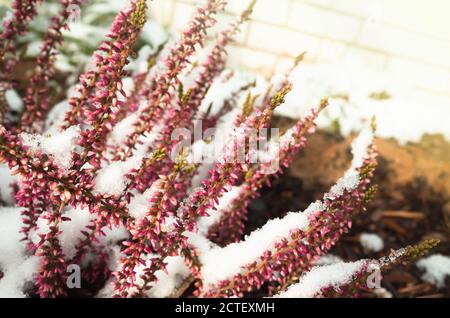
{"type": "Point", "coordinates": [436, 267]}
{"type": "Point", "coordinates": [111, 179]}
{"type": "Point", "coordinates": [371, 242]}
{"type": "Point", "coordinates": [140, 202]}
{"type": "Point", "coordinates": [311, 284]}
{"type": "Point", "coordinates": [328, 259]}
{"type": "Point", "coordinates": [224, 263]}
{"type": "Point", "coordinates": [350, 180]}
{"type": "Point", "coordinates": [177, 273]}
{"type": "Point", "coordinates": [14, 101]}
{"type": "Point", "coordinates": [17, 267]}
{"type": "Point", "coordinates": [406, 115]}
{"type": "Point", "coordinates": [59, 145]}
{"type": "Point", "coordinates": [6, 180]}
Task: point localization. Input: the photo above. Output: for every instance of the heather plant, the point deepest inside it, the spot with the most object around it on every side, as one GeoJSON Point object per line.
{"type": "Point", "coordinates": [113, 184]}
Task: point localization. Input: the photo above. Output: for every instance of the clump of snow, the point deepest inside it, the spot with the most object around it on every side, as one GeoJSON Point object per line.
{"type": "Point", "coordinates": [199, 242]}
{"type": "Point", "coordinates": [57, 114]}
{"type": "Point", "coordinates": [16, 266]}
{"type": "Point", "coordinates": [12, 284]}
{"type": "Point", "coordinates": [315, 207]}
{"type": "Point", "coordinates": [59, 145]}
{"type": "Point", "coordinates": [167, 281]}
{"type": "Point", "coordinates": [123, 129]}
{"type": "Point", "coordinates": [335, 275]}
{"type": "Point", "coordinates": [224, 263]}
{"type": "Point", "coordinates": [140, 202]}
{"type": "Point", "coordinates": [71, 235]}
{"type": "Point", "coordinates": [14, 101]}
{"type": "Point", "coordinates": [11, 249]}
{"type": "Point", "coordinates": [327, 259]}
{"type": "Point", "coordinates": [111, 179]}
{"type": "Point", "coordinates": [114, 235]}
{"type": "Point", "coordinates": [71, 230]}
{"type": "Point", "coordinates": [360, 146]}
{"type": "Point", "coordinates": [350, 180]}
{"type": "Point", "coordinates": [436, 267]}
{"type": "Point", "coordinates": [221, 90]}
{"type": "Point", "coordinates": [6, 180]}
{"type": "Point", "coordinates": [371, 242]}
{"type": "Point", "coordinates": [177, 273]}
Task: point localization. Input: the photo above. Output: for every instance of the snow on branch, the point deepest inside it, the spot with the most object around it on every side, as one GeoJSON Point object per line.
{"type": "Point", "coordinates": [221, 264]}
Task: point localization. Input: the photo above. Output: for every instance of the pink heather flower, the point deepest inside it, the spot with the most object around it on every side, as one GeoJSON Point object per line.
{"type": "Point", "coordinates": [161, 96]}
{"type": "Point", "coordinates": [24, 12]}
{"type": "Point", "coordinates": [222, 176]}
{"type": "Point", "coordinates": [231, 225]}
{"type": "Point", "coordinates": [111, 58]}
{"type": "Point", "coordinates": [168, 211]}
{"type": "Point", "coordinates": [37, 98]}
{"type": "Point", "coordinates": [182, 114]}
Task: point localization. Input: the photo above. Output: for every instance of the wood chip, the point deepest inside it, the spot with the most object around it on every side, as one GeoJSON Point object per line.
{"type": "Point", "coordinates": [395, 227]}
{"type": "Point", "coordinates": [404, 215]}
{"type": "Point", "coordinates": [433, 296]}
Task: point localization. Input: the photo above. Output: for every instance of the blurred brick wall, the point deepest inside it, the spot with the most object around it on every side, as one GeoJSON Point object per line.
{"type": "Point", "coordinates": [408, 38]}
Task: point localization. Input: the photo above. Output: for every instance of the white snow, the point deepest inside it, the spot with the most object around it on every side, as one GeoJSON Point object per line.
{"type": "Point", "coordinates": [71, 234]}
{"type": "Point", "coordinates": [327, 259]}
{"type": "Point", "coordinates": [350, 180]}
{"type": "Point", "coordinates": [17, 267]}
{"type": "Point", "coordinates": [167, 283]}
{"type": "Point", "coordinates": [111, 179]}
{"type": "Point", "coordinates": [123, 129]}
{"type": "Point", "coordinates": [224, 263]}
{"type": "Point", "coordinates": [311, 283]}
{"type": "Point", "coordinates": [57, 114]}
{"type": "Point", "coordinates": [140, 202]}
{"type": "Point", "coordinates": [6, 180]}
{"type": "Point", "coordinates": [436, 267]}
{"type": "Point", "coordinates": [14, 101]}
{"type": "Point", "coordinates": [221, 90]}
{"type": "Point", "coordinates": [71, 230]}
{"type": "Point", "coordinates": [59, 145]}
{"type": "Point", "coordinates": [201, 244]}
{"type": "Point", "coordinates": [406, 116]}
{"type": "Point", "coordinates": [371, 242]}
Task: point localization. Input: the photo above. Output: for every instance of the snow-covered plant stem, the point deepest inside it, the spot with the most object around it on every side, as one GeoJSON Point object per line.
{"type": "Point", "coordinates": [349, 279]}
{"type": "Point", "coordinates": [283, 259]}
{"type": "Point", "coordinates": [160, 97]}
{"type": "Point", "coordinates": [230, 226]}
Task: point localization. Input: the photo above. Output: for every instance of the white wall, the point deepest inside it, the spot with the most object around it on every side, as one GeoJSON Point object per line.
{"type": "Point", "coordinates": [407, 39]}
